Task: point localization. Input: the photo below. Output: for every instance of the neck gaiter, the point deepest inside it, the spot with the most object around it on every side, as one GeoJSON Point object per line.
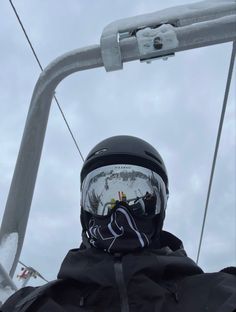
{"type": "Point", "coordinates": [121, 231]}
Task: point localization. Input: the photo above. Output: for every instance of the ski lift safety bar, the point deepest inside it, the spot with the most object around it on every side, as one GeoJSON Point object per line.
{"type": "Point", "coordinates": [170, 30]}
{"type": "Point", "coordinates": [144, 38]}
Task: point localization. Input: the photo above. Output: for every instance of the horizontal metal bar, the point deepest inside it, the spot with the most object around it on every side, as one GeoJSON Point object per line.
{"type": "Point", "coordinates": [177, 16]}
{"type": "Point", "coordinates": [189, 37]}
{"type": "Point", "coordinates": [174, 39]}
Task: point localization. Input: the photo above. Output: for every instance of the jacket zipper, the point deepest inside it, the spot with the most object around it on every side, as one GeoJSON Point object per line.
{"type": "Point", "coordinates": [121, 283]}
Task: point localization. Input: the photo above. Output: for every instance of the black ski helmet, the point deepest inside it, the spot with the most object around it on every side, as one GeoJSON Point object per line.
{"type": "Point", "coordinates": [125, 149]}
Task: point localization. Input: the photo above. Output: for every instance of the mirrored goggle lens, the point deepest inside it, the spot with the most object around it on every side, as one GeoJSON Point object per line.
{"type": "Point", "coordinates": [140, 188]}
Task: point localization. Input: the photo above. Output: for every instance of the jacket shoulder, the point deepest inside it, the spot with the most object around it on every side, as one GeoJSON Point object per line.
{"type": "Point", "coordinates": [25, 297]}
{"type": "Point", "coordinates": [15, 298]}
{"type": "Point", "coordinates": [216, 291]}
{"type": "Point", "coordinates": [55, 296]}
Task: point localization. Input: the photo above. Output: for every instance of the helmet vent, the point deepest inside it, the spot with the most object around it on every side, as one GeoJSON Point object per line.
{"type": "Point", "coordinates": [97, 153]}
{"type": "Point", "coordinates": [100, 151]}
{"type": "Point", "coordinates": [153, 156]}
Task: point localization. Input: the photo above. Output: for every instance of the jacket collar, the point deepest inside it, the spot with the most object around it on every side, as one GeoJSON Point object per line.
{"type": "Point", "coordinates": [88, 265]}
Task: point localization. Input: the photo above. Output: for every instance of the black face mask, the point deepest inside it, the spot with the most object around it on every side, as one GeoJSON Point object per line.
{"type": "Point", "coordinates": [121, 231]}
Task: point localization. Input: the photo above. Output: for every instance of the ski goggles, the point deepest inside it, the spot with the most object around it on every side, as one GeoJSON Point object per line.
{"type": "Point", "coordinates": [140, 189]}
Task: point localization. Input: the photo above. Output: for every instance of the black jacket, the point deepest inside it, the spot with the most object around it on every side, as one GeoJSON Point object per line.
{"type": "Point", "coordinates": [162, 279]}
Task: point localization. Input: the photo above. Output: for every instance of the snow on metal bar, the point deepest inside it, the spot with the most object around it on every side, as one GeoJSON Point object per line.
{"type": "Point", "coordinates": [8, 249]}
{"type": "Point", "coordinates": [7, 286]}
{"type": "Point", "coordinates": [185, 15]}
{"type": "Point", "coordinates": [167, 39]}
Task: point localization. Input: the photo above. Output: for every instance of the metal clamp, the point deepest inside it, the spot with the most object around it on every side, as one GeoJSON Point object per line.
{"type": "Point", "coordinates": [157, 33]}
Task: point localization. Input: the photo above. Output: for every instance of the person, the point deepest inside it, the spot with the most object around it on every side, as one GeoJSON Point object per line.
{"type": "Point", "coordinates": [126, 261]}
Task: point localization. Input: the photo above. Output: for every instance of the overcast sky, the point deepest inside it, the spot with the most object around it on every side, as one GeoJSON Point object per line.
{"type": "Point", "coordinates": [175, 105]}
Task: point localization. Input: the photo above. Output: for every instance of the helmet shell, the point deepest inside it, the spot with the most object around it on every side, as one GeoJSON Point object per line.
{"type": "Point", "coordinates": [124, 149]}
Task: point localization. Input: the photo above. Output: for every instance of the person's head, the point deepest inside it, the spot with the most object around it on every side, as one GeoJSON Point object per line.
{"type": "Point", "coordinates": [124, 191]}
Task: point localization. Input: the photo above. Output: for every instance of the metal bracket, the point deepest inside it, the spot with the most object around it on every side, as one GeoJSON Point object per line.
{"type": "Point", "coordinates": [152, 40]}
{"type": "Point", "coordinates": [157, 33]}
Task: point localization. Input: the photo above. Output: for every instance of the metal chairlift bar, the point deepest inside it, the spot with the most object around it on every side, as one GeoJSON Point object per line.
{"type": "Point", "coordinates": [22, 187]}
{"type": "Point", "coordinates": [185, 15]}
{"type": "Point", "coordinates": [5, 280]}
{"type": "Point", "coordinates": [168, 39]}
